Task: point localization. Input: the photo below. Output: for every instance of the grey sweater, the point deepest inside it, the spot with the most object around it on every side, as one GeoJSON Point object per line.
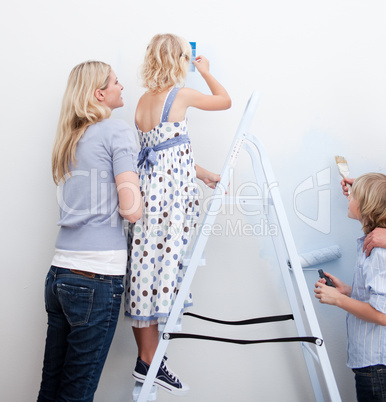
{"type": "Point", "coordinates": [88, 199]}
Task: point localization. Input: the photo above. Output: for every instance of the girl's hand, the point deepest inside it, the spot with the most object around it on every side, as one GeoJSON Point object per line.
{"type": "Point", "coordinates": [209, 178]}
{"type": "Point", "coordinates": [212, 180]}
{"type": "Point", "coordinates": [219, 100]}
{"type": "Point", "coordinates": [202, 64]}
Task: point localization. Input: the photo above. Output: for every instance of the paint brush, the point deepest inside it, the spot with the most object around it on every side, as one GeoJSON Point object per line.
{"type": "Point", "coordinates": [343, 169]}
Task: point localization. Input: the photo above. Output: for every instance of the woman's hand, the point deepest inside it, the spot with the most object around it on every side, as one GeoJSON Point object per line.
{"type": "Point", "coordinates": [376, 238]}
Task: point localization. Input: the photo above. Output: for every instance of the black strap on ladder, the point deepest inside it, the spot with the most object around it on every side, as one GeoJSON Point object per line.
{"type": "Point", "coordinates": [309, 339]}
{"type": "Point", "coordinates": [261, 320]}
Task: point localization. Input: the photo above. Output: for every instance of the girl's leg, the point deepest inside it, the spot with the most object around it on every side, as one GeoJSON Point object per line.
{"type": "Point", "coordinates": [147, 342]}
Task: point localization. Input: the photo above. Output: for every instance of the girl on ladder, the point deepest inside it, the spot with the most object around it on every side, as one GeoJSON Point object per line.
{"type": "Point", "coordinates": [167, 172]}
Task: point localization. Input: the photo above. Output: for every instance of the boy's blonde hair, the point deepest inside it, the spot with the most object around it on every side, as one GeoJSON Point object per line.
{"type": "Point", "coordinates": [369, 190]}
{"type": "Point", "coordinates": [80, 109]}
{"type": "Point", "coordinates": [166, 62]}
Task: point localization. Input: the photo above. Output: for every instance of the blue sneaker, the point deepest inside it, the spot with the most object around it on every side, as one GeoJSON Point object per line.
{"type": "Point", "coordinates": [165, 378]}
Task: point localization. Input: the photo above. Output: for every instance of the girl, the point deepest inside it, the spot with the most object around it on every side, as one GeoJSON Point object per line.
{"type": "Point", "coordinates": [94, 164]}
{"type": "Point", "coordinates": [168, 186]}
{"type": "Point", "coordinates": [365, 300]}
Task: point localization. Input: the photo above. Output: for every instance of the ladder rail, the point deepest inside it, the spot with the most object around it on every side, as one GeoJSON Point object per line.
{"type": "Point", "coordinates": [281, 255]}
{"type": "Point", "coordinates": [297, 270]}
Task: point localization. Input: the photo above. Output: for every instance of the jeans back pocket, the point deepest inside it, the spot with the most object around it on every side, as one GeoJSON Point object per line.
{"type": "Point", "coordinates": [76, 302]}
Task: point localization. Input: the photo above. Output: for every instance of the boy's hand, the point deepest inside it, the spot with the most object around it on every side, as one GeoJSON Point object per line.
{"type": "Point", "coordinates": [327, 294]}
{"type": "Point", "coordinates": [344, 183]}
{"type": "Point", "coordinates": [340, 286]}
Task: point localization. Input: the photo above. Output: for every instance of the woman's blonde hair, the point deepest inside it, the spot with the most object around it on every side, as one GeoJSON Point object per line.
{"type": "Point", "coordinates": [369, 190]}
{"type": "Point", "coordinates": [80, 109]}
{"type": "Point", "coordinates": [166, 62]}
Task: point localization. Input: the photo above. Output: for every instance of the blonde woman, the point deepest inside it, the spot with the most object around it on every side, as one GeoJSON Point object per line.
{"type": "Point", "coordinates": [94, 165]}
{"type": "Point", "coordinates": [365, 300]}
{"type": "Point", "coordinates": [167, 172]}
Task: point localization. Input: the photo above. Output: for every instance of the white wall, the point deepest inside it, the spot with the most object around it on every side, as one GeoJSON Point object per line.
{"type": "Point", "coordinates": [320, 67]}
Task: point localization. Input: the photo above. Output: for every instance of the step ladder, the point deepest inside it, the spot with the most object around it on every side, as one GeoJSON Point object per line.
{"type": "Point", "coordinates": [315, 353]}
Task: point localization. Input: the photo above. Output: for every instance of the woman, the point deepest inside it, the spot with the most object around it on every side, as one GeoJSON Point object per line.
{"type": "Point", "coordinates": [94, 165]}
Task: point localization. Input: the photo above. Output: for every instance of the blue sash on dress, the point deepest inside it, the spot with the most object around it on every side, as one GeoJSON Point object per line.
{"type": "Point", "coordinates": [148, 154]}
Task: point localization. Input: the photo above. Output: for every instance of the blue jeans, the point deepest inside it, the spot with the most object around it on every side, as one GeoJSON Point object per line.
{"type": "Point", "coordinates": [82, 317]}
{"type": "Point", "coordinates": [370, 383]}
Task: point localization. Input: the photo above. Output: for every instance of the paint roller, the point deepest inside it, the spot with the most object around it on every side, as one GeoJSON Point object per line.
{"type": "Point", "coordinates": [320, 256]}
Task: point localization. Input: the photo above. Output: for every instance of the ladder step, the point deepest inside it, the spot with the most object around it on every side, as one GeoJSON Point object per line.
{"type": "Point", "coordinates": [137, 389]}
{"type": "Point", "coordinates": [187, 257]}
{"type": "Point", "coordinates": [254, 200]}
{"type": "Point", "coordinates": [177, 327]}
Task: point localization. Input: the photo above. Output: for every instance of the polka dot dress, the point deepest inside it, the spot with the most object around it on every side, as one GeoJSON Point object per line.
{"type": "Point", "coordinates": [160, 238]}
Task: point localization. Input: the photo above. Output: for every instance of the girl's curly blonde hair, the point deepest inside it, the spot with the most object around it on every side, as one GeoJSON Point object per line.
{"type": "Point", "coordinates": [166, 62]}
{"type": "Point", "coordinates": [369, 190]}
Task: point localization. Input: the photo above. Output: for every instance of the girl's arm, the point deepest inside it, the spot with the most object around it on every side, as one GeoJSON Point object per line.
{"type": "Point", "coordinates": [209, 178]}
{"type": "Point", "coordinates": [129, 195]}
{"type": "Point", "coordinates": [219, 100]}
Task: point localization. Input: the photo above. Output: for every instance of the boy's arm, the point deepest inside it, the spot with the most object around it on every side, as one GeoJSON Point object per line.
{"type": "Point", "coordinates": [364, 311]}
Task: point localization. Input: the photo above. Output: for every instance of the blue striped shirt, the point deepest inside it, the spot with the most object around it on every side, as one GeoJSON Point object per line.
{"type": "Point", "coordinates": [366, 344]}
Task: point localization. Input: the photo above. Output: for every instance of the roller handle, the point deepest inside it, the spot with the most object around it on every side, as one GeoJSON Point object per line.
{"type": "Point", "coordinates": [328, 280]}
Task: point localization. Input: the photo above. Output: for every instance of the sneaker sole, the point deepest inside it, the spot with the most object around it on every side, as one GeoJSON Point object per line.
{"type": "Point", "coordinates": [141, 378]}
